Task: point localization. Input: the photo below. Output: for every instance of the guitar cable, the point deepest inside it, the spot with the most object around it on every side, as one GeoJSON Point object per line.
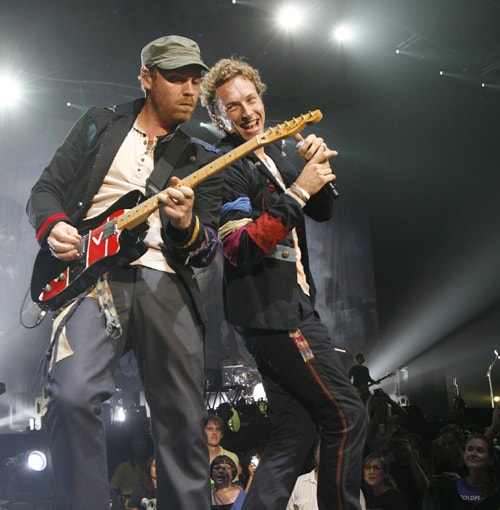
{"type": "Point", "coordinates": [33, 310]}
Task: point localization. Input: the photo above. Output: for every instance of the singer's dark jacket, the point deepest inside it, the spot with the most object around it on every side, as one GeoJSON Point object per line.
{"type": "Point", "coordinates": [66, 187]}
{"type": "Point", "coordinates": [257, 218]}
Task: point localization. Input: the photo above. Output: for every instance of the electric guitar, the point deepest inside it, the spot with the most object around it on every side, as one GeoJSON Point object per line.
{"type": "Point", "coordinates": [364, 389]}
{"type": "Point", "coordinates": [111, 239]}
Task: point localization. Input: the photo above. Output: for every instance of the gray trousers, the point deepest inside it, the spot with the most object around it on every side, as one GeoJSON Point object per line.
{"type": "Point", "coordinates": [159, 324]}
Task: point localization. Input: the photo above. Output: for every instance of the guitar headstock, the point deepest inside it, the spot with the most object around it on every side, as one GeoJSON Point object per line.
{"type": "Point", "coordinates": [289, 127]}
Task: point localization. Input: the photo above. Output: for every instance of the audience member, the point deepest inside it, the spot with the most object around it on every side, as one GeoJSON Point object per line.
{"type": "Point", "coordinates": [305, 492]}
{"type": "Point", "coordinates": [406, 470]}
{"type": "Point", "coordinates": [379, 488]}
{"type": "Point", "coordinates": [385, 416]}
{"type": "Point", "coordinates": [493, 431]}
{"type": "Point", "coordinates": [226, 495]}
{"type": "Point", "coordinates": [144, 493]}
{"type": "Point", "coordinates": [130, 472]}
{"type": "Point", "coordinates": [451, 439]}
{"type": "Point", "coordinates": [482, 481]}
{"type": "Point", "coordinates": [249, 466]}
{"type": "Point", "coordinates": [214, 430]}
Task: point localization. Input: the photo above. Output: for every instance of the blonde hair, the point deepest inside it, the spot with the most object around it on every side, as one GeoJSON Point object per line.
{"type": "Point", "coordinates": [221, 72]}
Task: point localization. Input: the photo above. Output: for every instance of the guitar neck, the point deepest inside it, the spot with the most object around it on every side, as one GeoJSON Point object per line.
{"type": "Point", "coordinates": [140, 213]}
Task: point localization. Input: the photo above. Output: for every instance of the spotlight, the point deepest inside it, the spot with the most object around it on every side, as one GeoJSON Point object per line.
{"type": "Point", "coordinates": [10, 91]}
{"type": "Point", "coordinates": [36, 460]}
{"type": "Point", "coordinates": [290, 17]}
{"type": "Point", "coordinates": [342, 33]}
{"type": "Point", "coordinates": [30, 460]}
{"type": "Point", "coordinates": [24, 480]}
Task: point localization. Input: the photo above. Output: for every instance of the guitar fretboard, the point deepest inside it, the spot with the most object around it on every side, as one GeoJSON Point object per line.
{"type": "Point", "coordinates": [138, 214]}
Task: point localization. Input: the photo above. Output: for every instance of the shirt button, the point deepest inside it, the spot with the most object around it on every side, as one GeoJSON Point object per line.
{"type": "Point", "coordinates": [285, 254]}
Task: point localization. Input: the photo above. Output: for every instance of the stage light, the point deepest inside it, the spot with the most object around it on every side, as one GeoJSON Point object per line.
{"type": "Point", "coordinates": [10, 91]}
{"type": "Point", "coordinates": [30, 460]}
{"type": "Point", "coordinates": [259, 393]}
{"type": "Point", "coordinates": [119, 414]}
{"type": "Point", "coordinates": [342, 33]}
{"type": "Point", "coordinates": [290, 17]}
{"type": "Point", "coordinates": [24, 481]}
{"type": "Point", "coordinates": [36, 460]}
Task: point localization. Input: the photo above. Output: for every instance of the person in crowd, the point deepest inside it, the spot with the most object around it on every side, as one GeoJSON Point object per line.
{"type": "Point", "coordinates": [226, 495]}
{"type": "Point", "coordinates": [130, 472]}
{"type": "Point", "coordinates": [149, 299]}
{"type": "Point", "coordinates": [379, 488]}
{"type": "Point", "coordinates": [385, 416]}
{"type": "Point", "coordinates": [144, 493]}
{"type": "Point", "coordinates": [452, 438]}
{"type": "Point", "coordinates": [269, 296]}
{"type": "Point", "coordinates": [405, 469]}
{"type": "Point", "coordinates": [493, 431]}
{"type": "Point", "coordinates": [214, 431]}
{"type": "Point", "coordinates": [482, 481]}
{"type": "Point", "coordinates": [249, 465]}
{"type": "Point", "coordinates": [304, 494]}
{"type": "Point", "coordinates": [359, 375]}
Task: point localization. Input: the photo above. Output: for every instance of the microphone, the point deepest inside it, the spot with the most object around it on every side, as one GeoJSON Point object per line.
{"type": "Point", "coordinates": [330, 186]}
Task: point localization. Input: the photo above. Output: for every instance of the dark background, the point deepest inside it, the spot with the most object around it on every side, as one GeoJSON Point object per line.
{"type": "Point", "coordinates": [417, 227]}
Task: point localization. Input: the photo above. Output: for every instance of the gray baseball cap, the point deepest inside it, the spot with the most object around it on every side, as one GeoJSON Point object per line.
{"type": "Point", "coordinates": [171, 52]}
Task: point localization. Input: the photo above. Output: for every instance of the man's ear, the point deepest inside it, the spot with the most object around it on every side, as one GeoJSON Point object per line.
{"type": "Point", "coordinates": [145, 77]}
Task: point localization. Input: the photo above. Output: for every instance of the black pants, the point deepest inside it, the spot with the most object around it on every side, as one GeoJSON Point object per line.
{"type": "Point", "coordinates": [158, 324]}
{"type": "Point", "coordinates": [306, 398]}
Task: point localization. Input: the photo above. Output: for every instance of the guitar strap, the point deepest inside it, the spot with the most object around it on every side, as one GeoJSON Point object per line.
{"type": "Point", "coordinates": [166, 162]}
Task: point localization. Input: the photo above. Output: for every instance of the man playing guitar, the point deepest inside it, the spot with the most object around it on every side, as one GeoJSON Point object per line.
{"type": "Point", "coordinates": [359, 374]}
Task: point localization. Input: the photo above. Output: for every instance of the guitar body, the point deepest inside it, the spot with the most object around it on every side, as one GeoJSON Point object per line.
{"type": "Point", "coordinates": [54, 282]}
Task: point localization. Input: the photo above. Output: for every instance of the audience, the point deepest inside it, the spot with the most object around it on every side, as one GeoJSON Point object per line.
{"type": "Point", "coordinates": [379, 488]}
{"type": "Point", "coordinates": [305, 491]}
{"type": "Point", "coordinates": [130, 472]}
{"type": "Point", "coordinates": [405, 469]}
{"type": "Point", "coordinates": [454, 470]}
{"type": "Point", "coordinates": [452, 439]}
{"type": "Point", "coordinates": [249, 466]}
{"type": "Point", "coordinates": [214, 430]}
{"type": "Point", "coordinates": [144, 493]}
{"type": "Point", "coordinates": [385, 416]}
{"type": "Point", "coordinates": [493, 431]}
{"type": "Point", "coordinates": [482, 481]}
{"type": "Point", "coordinates": [226, 495]}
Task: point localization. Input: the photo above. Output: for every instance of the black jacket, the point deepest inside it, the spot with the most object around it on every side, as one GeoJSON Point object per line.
{"type": "Point", "coordinates": [260, 277]}
{"type": "Point", "coordinates": [67, 185]}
